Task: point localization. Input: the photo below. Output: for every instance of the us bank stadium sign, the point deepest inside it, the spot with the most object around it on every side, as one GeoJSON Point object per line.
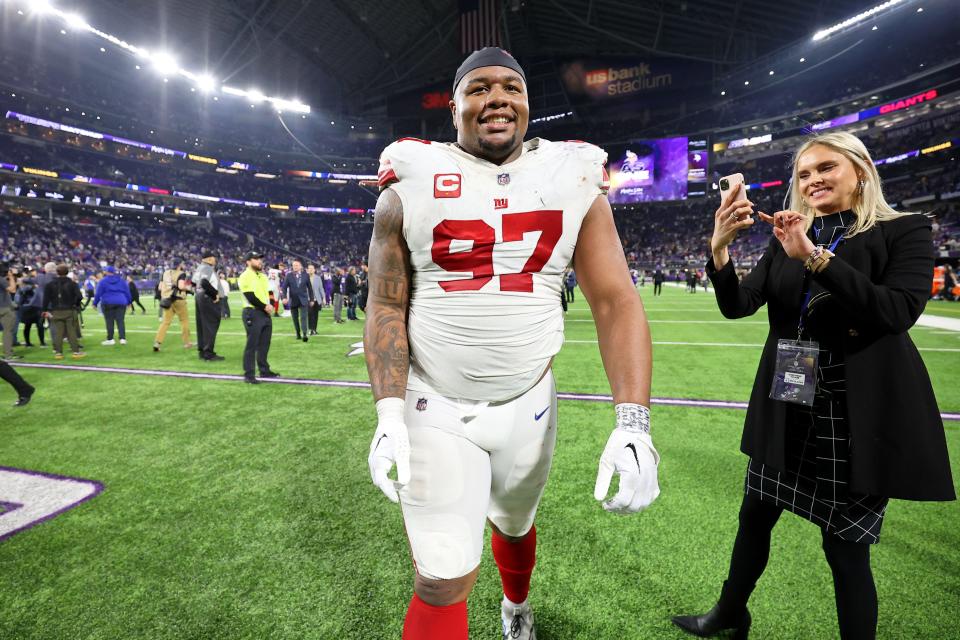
{"type": "Point", "coordinates": [614, 78]}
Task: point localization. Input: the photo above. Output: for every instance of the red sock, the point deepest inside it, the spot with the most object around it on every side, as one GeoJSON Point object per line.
{"type": "Point", "coordinates": [515, 561]}
{"type": "Point", "coordinates": [426, 622]}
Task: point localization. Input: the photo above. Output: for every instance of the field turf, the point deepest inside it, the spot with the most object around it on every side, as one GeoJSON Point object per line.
{"type": "Point", "coordinates": [232, 511]}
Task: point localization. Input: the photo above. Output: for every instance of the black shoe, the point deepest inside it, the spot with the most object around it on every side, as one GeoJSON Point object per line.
{"type": "Point", "coordinates": [27, 344]}
{"type": "Point", "coordinates": [251, 380]}
{"type": "Point", "coordinates": [269, 374]}
{"type": "Point", "coordinates": [298, 337]}
{"type": "Point", "coordinates": [305, 338]}
{"type": "Point", "coordinates": [714, 622]}
{"type": "Point", "coordinates": [24, 399]}
{"type": "Point", "coordinates": [213, 358]}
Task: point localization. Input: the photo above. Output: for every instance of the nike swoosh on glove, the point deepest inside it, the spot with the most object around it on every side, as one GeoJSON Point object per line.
{"type": "Point", "coordinates": [632, 456]}
{"type": "Point", "coordinates": [390, 446]}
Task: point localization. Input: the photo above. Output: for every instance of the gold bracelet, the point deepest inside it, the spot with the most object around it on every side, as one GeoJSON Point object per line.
{"type": "Point", "coordinates": [813, 257]}
{"type": "Point", "coordinates": [821, 262]}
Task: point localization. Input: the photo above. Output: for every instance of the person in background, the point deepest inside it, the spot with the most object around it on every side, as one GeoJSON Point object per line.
{"type": "Point", "coordinates": [298, 294]}
{"type": "Point", "coordinates": [350, 290]}
{"type": "Point", "coordinates": [135, 296]}
{"type": "Point", "coordinates": [113, 297]}
{"type": "Point", "coordinates": [658, 278]}
{"type": "Point", "coordinates": [207, 306]}
{"type": "Point", "coordinates": [24, 389]}
{"type": "Point", "coordinates": [327, 285]}
{"type": "Point", "coordinates": [363, 276]}
{"type": "Point", "coordinates": [30, 315]}
{"type": "Point", "coordinates": [257, 319]}
{"type": "Point", "coordinates": [174, 287]}
{"type": "Point", "coordinates": [316, 283]}
{"type": "Point", "coordinates": [570, 283]}
{"type": "Point", "coordinates": [61, 304]}
{"type": "Point", "coordinates": [8, 287]}
{"type": "Point", "coordinates": [950, 282]}
{"type": "Point", "coordinates": [89, 290]}
{"type": "Point", "coordinates": [224, 295]}
{"type": "Point", "coordinates": [337, 283]}
{"type": "Point", "coordinates": [40, 283]}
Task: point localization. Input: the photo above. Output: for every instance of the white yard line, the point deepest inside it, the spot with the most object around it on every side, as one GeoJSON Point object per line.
{"type": "Point", "coordinates": [939, 322]}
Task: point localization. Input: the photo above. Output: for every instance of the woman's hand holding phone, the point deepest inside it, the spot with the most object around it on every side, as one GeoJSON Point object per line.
{"type": "Point", "coordinates": [735, 213]}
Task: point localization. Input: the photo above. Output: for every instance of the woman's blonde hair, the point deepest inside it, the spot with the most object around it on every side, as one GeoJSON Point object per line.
{"type": "Point", "coordinates": [869, 205]}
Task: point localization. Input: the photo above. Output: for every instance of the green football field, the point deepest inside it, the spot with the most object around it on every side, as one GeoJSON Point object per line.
{"type": "Point", "coordinates": [232, 511]}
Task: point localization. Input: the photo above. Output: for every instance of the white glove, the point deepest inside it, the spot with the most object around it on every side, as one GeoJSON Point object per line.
{"type": "Point", "coordinates": [390, 445]}
{"type": "Point", "coordinates": [629, 453]}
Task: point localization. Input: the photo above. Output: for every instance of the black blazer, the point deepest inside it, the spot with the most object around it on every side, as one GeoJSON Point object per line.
{"type": "Point", "coordinates": [862, 305]}
{"type": "Point", "coordinates": [296, 287]}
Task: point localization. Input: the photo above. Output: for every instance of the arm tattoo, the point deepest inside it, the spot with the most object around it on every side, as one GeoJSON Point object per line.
{"type": "Point", "coordinates": [385, 334]}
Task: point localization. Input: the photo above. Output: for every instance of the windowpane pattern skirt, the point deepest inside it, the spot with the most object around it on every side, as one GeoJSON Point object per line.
{"type": "Point", "coordinates": [815, 482]}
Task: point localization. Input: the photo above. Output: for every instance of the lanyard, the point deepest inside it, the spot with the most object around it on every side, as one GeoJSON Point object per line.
{"type": "Point", "coordinates": [806, 287]}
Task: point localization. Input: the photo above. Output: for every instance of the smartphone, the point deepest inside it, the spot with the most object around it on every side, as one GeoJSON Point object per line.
{"type": "Point", "coordinates": [730, 183]}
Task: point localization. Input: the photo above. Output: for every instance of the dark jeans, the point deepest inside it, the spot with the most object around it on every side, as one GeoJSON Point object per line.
{"type": "Point", "coordinates": [136, 301]}
{"type": "Point", "coordinates": [314, 316]}
{"type": "Point", "coordinates": [114, 313]}
{"type": "Point", "coordinates": [259, 327]}
{"type": "Point", "coordinates": [9, 375]}
{"type": "Point", "coordinates": [352, 306]}
{"type": "Point", "coordinates": [856, 595]}
{"type": "Point", "coordinates": [570, 293]}
{"type": "Point", "coordinates": [657, 288]}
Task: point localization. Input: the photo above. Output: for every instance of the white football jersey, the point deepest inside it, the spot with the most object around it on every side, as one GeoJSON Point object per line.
{"type": "Point", "coordinates": [488, 246]}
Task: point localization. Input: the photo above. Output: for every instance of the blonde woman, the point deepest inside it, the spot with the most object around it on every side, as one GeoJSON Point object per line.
{"type": "Point", "coordinates": [842, 416]}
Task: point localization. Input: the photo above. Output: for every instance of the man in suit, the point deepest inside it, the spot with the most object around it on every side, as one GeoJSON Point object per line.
{"type": "Point", "coordinates": [298, 293]}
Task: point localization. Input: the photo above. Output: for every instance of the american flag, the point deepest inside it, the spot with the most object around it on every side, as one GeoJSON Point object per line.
{"type": "Point", "coordinates": [479, 24]}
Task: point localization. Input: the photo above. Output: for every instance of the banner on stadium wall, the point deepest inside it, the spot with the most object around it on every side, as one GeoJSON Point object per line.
{"type": "Point", "coordinates": [647, 78]}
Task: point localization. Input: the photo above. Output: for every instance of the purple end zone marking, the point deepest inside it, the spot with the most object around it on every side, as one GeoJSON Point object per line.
{"type": "Point", "coordinates": [7, 507]}
{"type": "Point", "coordinates": [585, 397]}
{"type": "Point", "coordinates": [98, 489]}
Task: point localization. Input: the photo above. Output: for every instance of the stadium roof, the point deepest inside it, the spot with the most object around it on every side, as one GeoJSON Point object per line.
{"type": "Point", "coordinates": [335, 51]}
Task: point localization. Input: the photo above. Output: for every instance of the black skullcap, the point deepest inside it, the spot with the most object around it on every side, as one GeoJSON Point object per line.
{"type": "Point", "coordinates": [208, 254]}
{"type": "Point", "coordinates": [487, 57]}
{"type": "Point", "coordinates": [251, 255]}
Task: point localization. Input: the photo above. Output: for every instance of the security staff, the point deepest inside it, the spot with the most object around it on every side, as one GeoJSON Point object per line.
{"type": "Point", "coordinates": [256, 319]}
{"type": "Point", "coordinates": [208, 310]}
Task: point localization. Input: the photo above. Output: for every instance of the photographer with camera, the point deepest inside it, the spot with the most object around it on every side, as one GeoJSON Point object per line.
{"type": "Point", "coordinates": [8, 286]}
{"type": "Point", "coordinates": [174, 287]}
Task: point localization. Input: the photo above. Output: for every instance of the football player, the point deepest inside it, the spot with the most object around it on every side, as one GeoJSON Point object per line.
{"type": "Point", "coordinates": [469, 246]}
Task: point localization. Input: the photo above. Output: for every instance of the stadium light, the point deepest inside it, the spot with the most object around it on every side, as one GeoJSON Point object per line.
{"type": "Point", "coordinates": [849, 22]}
{"type": "Point", "coordinates": [75, 21]}
{"type": "Point", "coordinates": [256, 95]}
{"type": "Point", "coordinates": [164, 63]}
{"type": "Point", "coordinates": [206, 83]}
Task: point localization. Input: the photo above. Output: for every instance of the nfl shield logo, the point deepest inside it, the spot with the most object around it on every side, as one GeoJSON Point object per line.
{"type": "Point", "coordinates": [422, 404]}
{"type": "Point", "coordinates": [503, 179]}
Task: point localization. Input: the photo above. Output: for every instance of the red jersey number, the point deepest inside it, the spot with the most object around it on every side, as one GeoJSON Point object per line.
{"type": "Point", "coordinates": [479, 259]}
